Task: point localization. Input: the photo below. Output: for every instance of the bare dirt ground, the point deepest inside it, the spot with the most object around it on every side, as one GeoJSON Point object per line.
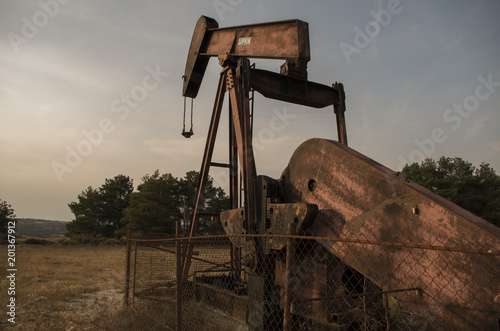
{"type": "Point", "coordinates": [61, 287]}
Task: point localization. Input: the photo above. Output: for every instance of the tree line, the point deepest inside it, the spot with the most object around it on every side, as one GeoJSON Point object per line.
{"type": "Point", "coordinates": [159, 202]}
{"type": "Point", "coordinates": [6, 215]}
{"type": "Point", "coordinates": [162, 199]}
{"type": "Point", "coordinates": [476, 189]}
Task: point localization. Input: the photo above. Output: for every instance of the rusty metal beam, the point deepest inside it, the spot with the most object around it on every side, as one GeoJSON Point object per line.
{"type": "Point", "coordinates": [270, 40]}
{"type": "Point", "coordinates": [241, 123]}
{"type": "Point", "coordinates": [275, 40]}
{"type": "Point", "coordinates": [291, 89]}
{"type": "Point", "coordinates": [339, 109]}
{"type": "Point", "coordinates": [233, 192]}
{"type": "Point", "coordinates": [233, 161]}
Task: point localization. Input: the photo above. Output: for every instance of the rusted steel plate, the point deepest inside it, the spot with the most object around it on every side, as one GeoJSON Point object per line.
{"type": "Point", "coordinates": [360, 199]}
{"type": "Point", "coordinates": [233, 223]}
{"type": "Point", "coordinates": [272, 40]}
{"type": "Point", "coordinates": [279, 216]}
{"type": "Point", "coordinates": [222, 300]}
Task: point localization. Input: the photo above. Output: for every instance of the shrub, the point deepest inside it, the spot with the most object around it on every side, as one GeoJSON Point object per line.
{"type": "Point", "coordinates": [67, 241]}
{"type": "Point", "coordinates": [35, 241]}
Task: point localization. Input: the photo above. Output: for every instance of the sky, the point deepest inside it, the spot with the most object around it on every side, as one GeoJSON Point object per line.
{"type": "Point", "coordinates": [91, 89]}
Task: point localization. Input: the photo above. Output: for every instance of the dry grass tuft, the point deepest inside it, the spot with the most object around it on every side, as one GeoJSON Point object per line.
{"type": "Point", "coordinates": [61, 287]}
{"type": "Point", "coordinates": [81, 287]}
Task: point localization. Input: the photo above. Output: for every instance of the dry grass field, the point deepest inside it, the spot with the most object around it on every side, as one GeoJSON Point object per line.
{"type": "Point", "coordinates": [68, 287]}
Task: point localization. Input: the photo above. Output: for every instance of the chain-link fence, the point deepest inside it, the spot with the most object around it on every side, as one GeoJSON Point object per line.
{"type": "Point", "coordinates": [314, 283]}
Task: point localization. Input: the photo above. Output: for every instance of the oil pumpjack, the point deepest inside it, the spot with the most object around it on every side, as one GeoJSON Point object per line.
{"type": "Point", "coordinates": [327, 190]}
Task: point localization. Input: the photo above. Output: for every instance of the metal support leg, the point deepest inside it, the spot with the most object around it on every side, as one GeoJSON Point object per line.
{"type": "Point", "coordinates": [241, 123]}
{"type": "Point", "coordinates": [205, 168]}
{"type": "Point", "coordinates": [234, 191]}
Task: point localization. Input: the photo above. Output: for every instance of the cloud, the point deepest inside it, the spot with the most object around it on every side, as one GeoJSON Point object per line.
{"type": "Point", "coordinates": [64, 81]}
{"type": "Point", "coordinates": [494, 146]}
{"type": "Point", "coordinates": [476, 129]}
{"type": "Point", "coordinates": [172, 146]}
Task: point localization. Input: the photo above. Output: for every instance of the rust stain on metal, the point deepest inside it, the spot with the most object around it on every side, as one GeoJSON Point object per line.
{"type": "Point", "coordinates": [374, 204]}
{"type": "Point", "coordinates": [359, 221]}
{"type": "Point", "coordinates": [334, 194]}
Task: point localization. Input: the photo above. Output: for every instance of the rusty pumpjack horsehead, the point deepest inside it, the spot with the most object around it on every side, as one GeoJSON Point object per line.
{"type": "Point", "coordinates": [327, 189]}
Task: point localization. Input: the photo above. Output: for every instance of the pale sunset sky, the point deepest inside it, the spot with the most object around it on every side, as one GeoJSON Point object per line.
{"type": "Point", "coordinates": [422, 79]}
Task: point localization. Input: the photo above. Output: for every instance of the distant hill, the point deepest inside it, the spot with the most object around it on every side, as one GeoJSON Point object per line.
{"type": "Point", "coordinates": [28, 227]}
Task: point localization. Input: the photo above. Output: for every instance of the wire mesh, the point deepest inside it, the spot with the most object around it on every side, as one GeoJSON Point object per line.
{"type": "Point", "coordinates": [320, 284]}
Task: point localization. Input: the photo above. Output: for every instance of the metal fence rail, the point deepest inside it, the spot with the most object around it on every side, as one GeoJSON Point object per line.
{"type": "Point", "coordinates": [316, 285]}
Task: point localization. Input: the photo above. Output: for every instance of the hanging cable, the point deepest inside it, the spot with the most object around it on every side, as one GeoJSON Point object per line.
{"type": "Point", "coordinates": [184, 118]}
{"type": "Point", "coordinates": [191, 130]}
{"type": "Point", "coordinates": [252, 98]}
{"type": "Point", "coordinates": [185, 133]}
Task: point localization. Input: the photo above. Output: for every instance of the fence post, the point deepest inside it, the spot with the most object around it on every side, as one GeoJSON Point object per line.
{"type": "Point", "coordinates": [290, 255]}
{"type": "Point", "coordinates": [178, 290]}
{"type": "Point", "coordinates": [127, 269]}
{"type": "Point", "coordinates": [135, 272]}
